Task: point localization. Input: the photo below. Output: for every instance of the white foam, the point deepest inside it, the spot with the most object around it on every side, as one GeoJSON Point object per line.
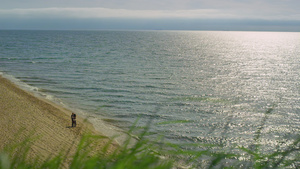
{"type": "Point", "coordinates": [27, 87]}
{"type": "Point", "coordinates": [109, 130]}
{"type": "Point", "coordinates": [49, 97]}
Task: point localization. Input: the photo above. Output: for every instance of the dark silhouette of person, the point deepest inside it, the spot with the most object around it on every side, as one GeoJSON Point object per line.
{"type": "Point", "coordinates": [73, 118]}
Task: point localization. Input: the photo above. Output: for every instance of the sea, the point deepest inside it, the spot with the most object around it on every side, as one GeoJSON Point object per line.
{"type": "Point", "coordinates": [220, 87]}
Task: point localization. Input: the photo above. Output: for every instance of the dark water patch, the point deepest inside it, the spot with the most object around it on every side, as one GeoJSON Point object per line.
{"type": "Point", "coordinates": [111, 120]}
{"type": "Point", "coordinates": [34, 81]}
{"type": "Point", "coordinates": [104, 106]}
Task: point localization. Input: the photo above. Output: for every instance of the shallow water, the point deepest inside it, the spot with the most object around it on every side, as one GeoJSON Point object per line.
{"type": "Point", "coordinates": [208, 86]}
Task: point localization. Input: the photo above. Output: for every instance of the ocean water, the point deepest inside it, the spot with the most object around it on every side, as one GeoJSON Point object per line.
{"type": "Point", "coordinates": [194, 86]}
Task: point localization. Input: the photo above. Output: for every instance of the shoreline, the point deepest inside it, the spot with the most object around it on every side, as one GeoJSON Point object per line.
{"type": "Point", "coordinates": [25, 115]}
{"type": "Point", "coordinates": [107, 129]}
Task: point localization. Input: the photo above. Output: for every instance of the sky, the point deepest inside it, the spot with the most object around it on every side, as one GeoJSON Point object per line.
{"type": "Point", "coordinates": [256, 15]}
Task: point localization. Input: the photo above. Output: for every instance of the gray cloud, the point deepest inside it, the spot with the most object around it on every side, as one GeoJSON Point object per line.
{"type": "Point", "coordinates": [111, 13]}
{"type": "Point", "coordinates": [149, 24]}
{"type": "Point", "coordinates": [208, 13]}
{"type": "Point", "coordinates": [155, 4]}
{"type": "Point", "coordinates": [267, 10]}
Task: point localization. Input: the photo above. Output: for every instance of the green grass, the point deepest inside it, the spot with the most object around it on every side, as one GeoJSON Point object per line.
{"type": "Point", "coordinates": [145, 153]}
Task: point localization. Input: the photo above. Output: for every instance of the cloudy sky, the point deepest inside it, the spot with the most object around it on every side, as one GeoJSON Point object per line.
{"type": "Point", "coordinates": [281, 15]}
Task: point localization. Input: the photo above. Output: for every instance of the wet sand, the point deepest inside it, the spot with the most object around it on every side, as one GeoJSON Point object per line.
{"type": "Point", "coordinates": [22, 115]}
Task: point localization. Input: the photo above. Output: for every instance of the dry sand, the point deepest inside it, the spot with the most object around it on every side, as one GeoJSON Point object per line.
{"type": "Point", "coordinates": [22, 115]}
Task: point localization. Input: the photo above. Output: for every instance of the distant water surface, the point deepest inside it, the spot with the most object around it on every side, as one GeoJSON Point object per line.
{"type": "Point", "coordinates": [218, 85]}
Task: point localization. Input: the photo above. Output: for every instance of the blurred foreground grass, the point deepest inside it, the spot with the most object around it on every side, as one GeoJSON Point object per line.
{"type": "Point", "coordinates": [141, 153]}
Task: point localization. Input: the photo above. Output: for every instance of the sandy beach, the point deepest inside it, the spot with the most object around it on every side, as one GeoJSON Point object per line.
{"type": "Point", "coordinates": [23, 115]}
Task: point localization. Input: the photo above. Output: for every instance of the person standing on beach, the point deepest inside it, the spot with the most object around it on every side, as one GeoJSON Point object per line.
{"type": "Point", "coordinates": [73, 118]}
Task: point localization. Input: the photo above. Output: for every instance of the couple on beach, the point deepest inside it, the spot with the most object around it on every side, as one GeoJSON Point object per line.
{"type": "Point", "coordinates": [73, 118]}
